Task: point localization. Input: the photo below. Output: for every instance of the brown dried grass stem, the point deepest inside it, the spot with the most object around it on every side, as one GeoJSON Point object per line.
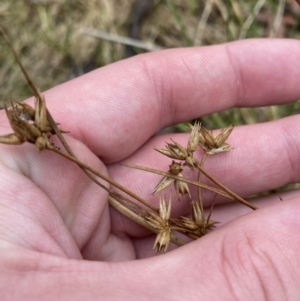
{"type": "Point", "coordinates": [139, 219]}
{"type": "Point", "coordinates": [105, 178]}
{"type": "Point", "coordinates": [227, 190]}
{"type": "Point", "coordinates": [182, 179]}
{"type": "Point", "coordinates": [199, 180]}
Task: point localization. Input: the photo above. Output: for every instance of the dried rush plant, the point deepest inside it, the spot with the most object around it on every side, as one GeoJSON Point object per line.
{"type": "Point", "coordinates": [36, 126]}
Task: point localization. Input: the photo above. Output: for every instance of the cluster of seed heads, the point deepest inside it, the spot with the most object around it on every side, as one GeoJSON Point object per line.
{"type": "Point", "coordinates": [198, 225]}
{"type": "Point", "coordinates": [35, 125]}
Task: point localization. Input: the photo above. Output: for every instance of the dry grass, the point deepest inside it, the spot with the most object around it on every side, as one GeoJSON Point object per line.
{"type": "Point", "coordinates": [48, 37]}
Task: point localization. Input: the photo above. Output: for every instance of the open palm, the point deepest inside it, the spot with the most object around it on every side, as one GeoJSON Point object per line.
{"type": "Point", "coordinates": [60, 239]}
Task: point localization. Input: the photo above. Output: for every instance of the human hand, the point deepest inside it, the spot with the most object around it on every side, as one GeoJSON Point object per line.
{"type": "Point", "coordinates": [60, 240]}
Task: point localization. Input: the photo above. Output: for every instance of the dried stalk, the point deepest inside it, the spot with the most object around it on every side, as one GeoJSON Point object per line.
{"type": "Point", "coordinates": [105, 178]}
{"type": "Point", "coordinates": [166, 174]}
{"type": "Point", "coordinates": [199, 180]}
{"type": "Point", "coordinates": [140, 220]}
{"type": "Point", "coordinates": [226, 191]}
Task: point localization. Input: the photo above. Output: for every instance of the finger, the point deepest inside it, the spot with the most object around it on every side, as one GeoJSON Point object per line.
{"type": "Point", "coordinates": [244, 260]}
{"type": "Point", "coordinates": [117, 108]}
{"type": "Point", "coordinates": [264, 157]}
{"type": "Point", "coordinates": [222, 214]}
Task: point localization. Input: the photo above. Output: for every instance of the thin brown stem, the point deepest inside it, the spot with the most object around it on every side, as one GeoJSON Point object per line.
{"type": "Point", "coordinates": [105, 178]}
{"type": "Point", "coordinates": [199, 188]}
{"type": "Point", "coordinates": [210, 211]}
{"type": "Point", "coordinates": [29, 81]}
{"type": "Point", "coordinates": [139, 219]}
{"type": "Point", "coordinates": [166, 174]}
{"type": "Point", "coordinates": [227, 190]}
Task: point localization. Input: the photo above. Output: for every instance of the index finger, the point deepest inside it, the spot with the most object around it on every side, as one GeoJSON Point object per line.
{"type": "Point", "coordinates": [115, 109]}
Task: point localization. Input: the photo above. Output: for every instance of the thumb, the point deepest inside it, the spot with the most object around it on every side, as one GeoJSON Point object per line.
{"type": "Point", "coordinates": [255, 257]}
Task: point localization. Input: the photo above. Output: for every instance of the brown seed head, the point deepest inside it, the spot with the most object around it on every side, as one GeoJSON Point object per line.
{"type": "Point", "coordinates": [194, 138]}
{"type": "Point", "coordinates": [190, 162]}
{"type": "Point", "coordinates": [161, 222]}
{"type": "Point", "coordinates": [162, 241]}
{"type": "Point", "coordinates": [164, 151]}
{"type": "Point", "coordinates": [222, 136]}
{"type": "Point", "coordinates": [27, 125]}
{"type": "Point", "coordinates": [163, 183]}
{"type": "Point", "coordinates": [214, 145]}
{"type": "Point", "coordinates": [208, 138]}
{"type": "Point", "coordinates": [164, 209]}
{"type": "Point", "coordinates": [197, 213]}
{"type": "Point", "coordinates": [181, 187]}
{"type": "Point", "coordinates": [177, 151]}
{"type": "Point", "coordinates": [199, 219]}
{"type": "Point", "coordinates": [23, 129]}
{"type": "Point", "coordinates": [188, 223]}
{"type": "Point", "coordinates": [175, 168]}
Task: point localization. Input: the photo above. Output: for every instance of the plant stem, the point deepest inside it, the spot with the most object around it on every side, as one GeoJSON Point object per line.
{"type": "Point", "coordinates": [139, 219]}
{"type": "Point", "coordinates": [199, 188]}
{"type": "Point", "coordinates": [227, 190]}
{"type": "Point", "coordinates": [166, 174]}
{"type": "Point", "coordinates": [105, 178]}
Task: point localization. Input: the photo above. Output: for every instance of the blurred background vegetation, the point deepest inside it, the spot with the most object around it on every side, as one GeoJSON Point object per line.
{"type": "Point", "coordinates": [56, 41]}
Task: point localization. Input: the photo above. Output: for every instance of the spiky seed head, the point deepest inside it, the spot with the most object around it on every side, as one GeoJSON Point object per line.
{"type": "Point", "coordinates": [208, 138]}
{"type": "Point", "coordinates": [194, 138]}
{"type": "Point", "coordinates": [178, 151]}
{"type": "Point", "coordinates": [222, 136]}
{"type": "Point", "coordinates": [222, 149]}
{"type": "Point", "coordinates": [164, 151]}
{"type": "Point", "coordinates": [175, 168]}
{"type": "Point", "coordinates": [164, 209]}
{"type": "Point", "coordinates": [215, 145]}
{"type": "Point", "coordinates": [163, 183]}
{"type": "Point", "coordinates": [190, 162]}
{"type": "Point", "coordinates": [162, 241]}
{"type": "Point", "coordinates": [181, 187]}
{"type": "Point", "coordinates": [197, 213]}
